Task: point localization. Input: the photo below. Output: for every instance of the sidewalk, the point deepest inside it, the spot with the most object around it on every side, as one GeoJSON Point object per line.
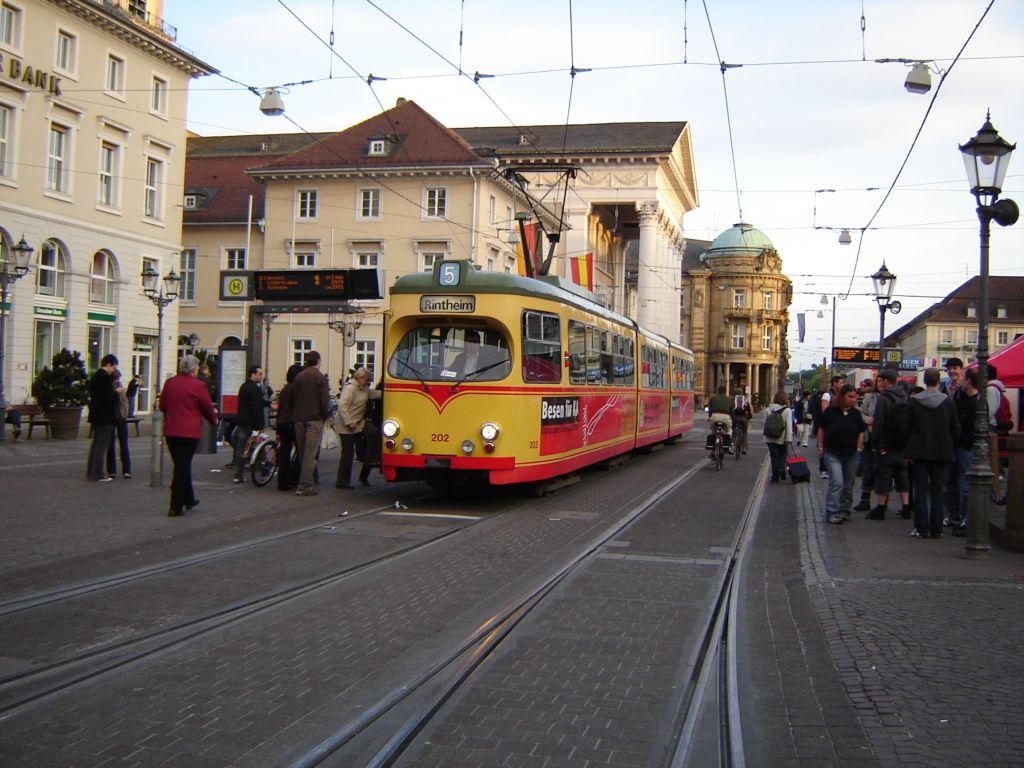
{"type": "Point", "coordinates": [919, 642]}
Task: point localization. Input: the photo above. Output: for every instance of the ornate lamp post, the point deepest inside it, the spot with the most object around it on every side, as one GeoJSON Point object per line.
{"type": "Point", "coordinates": [9, 274]}
{"type": "Point", "coordinates": [161, 293]}
{"type": "Point", "coordinates": [346, 323]}
{"type": "Point", "coordinates": [885, 284]}
{"type": "Point", "coordinates": [986, 158]}
{"type": "Point", "coordinates": [268, 320]}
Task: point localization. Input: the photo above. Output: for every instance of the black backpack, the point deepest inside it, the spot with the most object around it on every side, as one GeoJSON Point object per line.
{"type": "Point", "coordinates": [897, 425]}
{"type": "Point", "coordinates": [774, 425]}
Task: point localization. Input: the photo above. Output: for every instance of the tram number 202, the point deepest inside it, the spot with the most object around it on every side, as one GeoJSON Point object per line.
{"type": "Point", "coordinates": [439, 437]}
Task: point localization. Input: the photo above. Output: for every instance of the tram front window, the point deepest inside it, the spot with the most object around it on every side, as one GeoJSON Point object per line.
{"type": "Point", "coordinates": [451, 354]}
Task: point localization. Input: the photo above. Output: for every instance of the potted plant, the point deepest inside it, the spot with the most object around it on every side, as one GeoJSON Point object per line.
{"type": "Point", "coordinates": [61, 391]}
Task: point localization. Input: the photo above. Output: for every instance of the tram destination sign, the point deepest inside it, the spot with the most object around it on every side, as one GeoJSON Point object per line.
{"type": "Point", "coordinates": [316, 284]}
{"type": "Point", "coordinates": [866, 355]}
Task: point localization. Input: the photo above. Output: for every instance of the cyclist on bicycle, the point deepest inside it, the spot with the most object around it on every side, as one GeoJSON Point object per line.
{"type": "Point", "coordinates": [741, 416]}
{"type": "Point", "coordinates": [720, 410]}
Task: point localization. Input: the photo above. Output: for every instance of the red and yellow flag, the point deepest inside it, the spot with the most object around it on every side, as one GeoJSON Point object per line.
{"type": "Point", "coordinates": [583, 270]}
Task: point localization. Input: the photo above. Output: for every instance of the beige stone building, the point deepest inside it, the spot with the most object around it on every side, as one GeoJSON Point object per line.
{"type": "Point", "coordinates": [736, 311]}
{"type": "Point", "coordinates": [92, 152]}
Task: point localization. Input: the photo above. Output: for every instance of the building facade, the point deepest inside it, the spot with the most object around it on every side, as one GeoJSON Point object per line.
{"type": "Point", "coordinates": [92, 152]}
{"type": "Point", "coordinates": [949, 328]}
{"type": "Point", "coordinates": [736, 311]}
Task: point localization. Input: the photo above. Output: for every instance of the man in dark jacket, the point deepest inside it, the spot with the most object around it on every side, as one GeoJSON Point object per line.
{"type": "Point", "coordinates": [311, 398]}
{"type": "Point", "coordinates": [102, 416]}
{"type": "Point", "coordinates": [890, 459]}
{"type": "Point", "coordinates": [966, 402]}
{"type": "Point", "coordinates": [934, 430]}
{"type": "Point", "coordinates": [249, 418]}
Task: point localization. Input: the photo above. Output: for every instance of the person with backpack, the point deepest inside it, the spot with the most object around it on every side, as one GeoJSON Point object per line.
{"type": "Point", "coordinates": [1000, 422]}
{"type": "Point", "coordinates": [822, 404]}
{"type": "Point", "coordinates": [934, 430]}
{"type": "Point", "coordinates": [778, 433]}
{"type": "Point", "coordinates": [804, 417]}
{"type": "Point", "coordinates": [890, 431]}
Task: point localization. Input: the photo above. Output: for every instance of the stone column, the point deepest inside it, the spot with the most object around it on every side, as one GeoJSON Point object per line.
{"type": "Point", "coordinates": [647, 293]}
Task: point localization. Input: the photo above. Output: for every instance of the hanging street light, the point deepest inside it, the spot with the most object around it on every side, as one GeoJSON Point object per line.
{"type": "Point", "coordinates": [885, 284]}
{"type": "Point", "coordinates": [986, 158]}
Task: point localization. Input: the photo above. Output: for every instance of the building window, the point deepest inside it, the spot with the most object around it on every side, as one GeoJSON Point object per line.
{"type": "Point", "coordinates": [739, 336]}
{"type": "Point", "coordinates": [739, 298]}
{"type": "Point", "coordinates": [299, 349]}
{"type": "Point", "coordinates": [492, 259]}
{"type": "Point", "coordinates": [436, 202]}
{"type": "Point", "coordinates": [972, 311]}
{"type": "Point", "coordinates": [769, 300]}
{"type": "Point", "coordinates": [137, 8]}
{"type": "Point", "coordinates": [109, 155]}
{"type": "Point", "coordinates": [492, 210]}
{"type": "Point", "coordinates": [1001, 312]}
{"type": "Point", "coordinates": [187, 272]}
{"type": "Point", "coordinates": [6, 142]}
{"type": "Point", "coordinates": [365, 355]}
{"type": "Point", "coordinates": [368, 259]}
{"type": "Point", "coordinates": [115, 76]}
{"type": "Point", "coordinates": [101, 279]}
{"type": "Point", "coordinates": [57, 159]}
{"type": "Point", "coordinates": [369, 203]}
{"type": "Point", "coordinates": [972, 337]}
{"type": "Point", "coordinates": [99, 344]}
{"type": "Point", "coordinates": [190, 202]}
{"type": "Point", "coordinates": [158, 104]}
{"type": "Point", "coordinates": [154, 204]}
{"type": "Point", "coordinates": [67, 52]}
{"type": "Point", "coordinates": [429, 259]}
{"type": "Point", "coordinates": [307, 204]}
{"type": "Point", "coordinates": [234, 258]}
{"type": "Point", "coordinates": [50, 271]}
{"type": "Point", "coordinates": [378, 147]}
{"type": "Point", "coordinates": [1002, 338]}
{"type": "Point", "coordinates": [766, 340]}
{"type": "Point", "coordinates": [48, 335]}
{"type": "Point", "coordinates": [946, 336]}
{"type": "Point", "coordinates": [10, 26]}
{"type": "Point", "coordinates": [305, 258]}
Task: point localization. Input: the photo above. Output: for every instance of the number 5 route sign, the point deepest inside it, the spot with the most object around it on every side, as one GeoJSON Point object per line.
{"type": "Point", "coordinates": [236, 286]}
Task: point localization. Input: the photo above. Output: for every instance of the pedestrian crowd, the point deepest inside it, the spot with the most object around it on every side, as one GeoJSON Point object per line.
{"type": "Point", "coordinates": [913, 445]}
{"type": "Point", "coordinates": [308, 421]}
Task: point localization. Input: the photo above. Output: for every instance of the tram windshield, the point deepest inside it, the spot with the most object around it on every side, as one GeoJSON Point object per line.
{"type": "Point", "coordinates": [451, 354]}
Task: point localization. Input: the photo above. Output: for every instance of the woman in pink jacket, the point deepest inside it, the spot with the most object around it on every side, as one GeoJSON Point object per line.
{"type": "Point", "coordinates": [185, 402]}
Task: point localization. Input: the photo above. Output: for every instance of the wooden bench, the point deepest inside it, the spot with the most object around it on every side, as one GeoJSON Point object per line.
{"type": "Point", "coordinates": [32, 414]}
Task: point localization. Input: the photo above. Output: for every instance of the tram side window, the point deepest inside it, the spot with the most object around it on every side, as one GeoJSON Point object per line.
{"type": "Point", "coordinates": [607, 361]}
{"type": "Point", "coordinates": [542, 347]}
{"type": "Point", "coordinates": [654, 362]}
{"type": "Point", "coordinates": [577, 352]}
{"type": "Point", "coordinates": [622, 349]}
{"type": "Point", "coordinates": [593, 355]}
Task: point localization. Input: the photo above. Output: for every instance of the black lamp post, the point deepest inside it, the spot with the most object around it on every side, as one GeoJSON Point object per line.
{"type": "Point", "coordinates": [885, 284]}
{"type": "Point", "coordinates": [986, 158]}
{"type": "Point", "coordinates": [9, 274]}
{"type": "Point", "coordinates": [346, 323]}
{"type": "Point", "coordinates": [161, 293]}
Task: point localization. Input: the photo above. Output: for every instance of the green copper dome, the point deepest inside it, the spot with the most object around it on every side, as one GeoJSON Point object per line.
{"type": "Point", "coordinates": [741, 238]}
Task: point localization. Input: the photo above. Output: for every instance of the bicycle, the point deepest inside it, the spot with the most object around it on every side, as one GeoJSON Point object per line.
{"type": "Point", "coordinates": [262, 452]}
{"type": "Point", "coordinates": [717, 446]}
{"type": "Point", "coordinates": [739, 438]}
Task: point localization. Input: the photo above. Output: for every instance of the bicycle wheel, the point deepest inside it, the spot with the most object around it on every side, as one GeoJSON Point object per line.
{"type": "Point", "coordinates": [264, 464]}
{"type": "Point", "coordinates": [737, 444]}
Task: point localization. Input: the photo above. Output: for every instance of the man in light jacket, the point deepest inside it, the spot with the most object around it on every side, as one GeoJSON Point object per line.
{"type": "Point", "coordinates": [350, 422]}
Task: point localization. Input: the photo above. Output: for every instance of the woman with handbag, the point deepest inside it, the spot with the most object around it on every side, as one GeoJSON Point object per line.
{"type": "Point", "coordinates": [350, 422]}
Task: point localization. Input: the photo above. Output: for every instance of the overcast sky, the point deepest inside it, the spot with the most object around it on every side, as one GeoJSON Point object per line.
{"type": "Point", "coordinates": [810, 110]}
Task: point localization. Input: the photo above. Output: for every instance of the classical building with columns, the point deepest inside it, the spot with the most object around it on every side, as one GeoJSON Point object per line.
{"type": "Point", "coordinates": [736, 312]}
{"type": "Point", "coordinates": [633, 184]}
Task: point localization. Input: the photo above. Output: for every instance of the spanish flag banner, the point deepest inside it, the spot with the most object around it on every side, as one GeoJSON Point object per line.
{"type": "Point", "coordinates": [583, 270]}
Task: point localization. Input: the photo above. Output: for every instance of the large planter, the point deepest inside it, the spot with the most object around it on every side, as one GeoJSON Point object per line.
{"type": "Point", "coordinates": [64, 422]}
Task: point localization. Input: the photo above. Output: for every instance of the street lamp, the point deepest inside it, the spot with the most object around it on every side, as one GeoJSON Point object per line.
{"type": "Point", "coordinates": [986, 158]}
{"type": "Point", "coordinates": [346, 323]}
{"type": "Point", "coordinates": [161, 293]}
{"type": "Point", "coordinates": [885, 284]}
{"type": "Point", "coordinates": [268, 320]}
{"type": "Point", "coordinates": [22, 256]}
{"type": "Point", "coordinates": [821, 313]}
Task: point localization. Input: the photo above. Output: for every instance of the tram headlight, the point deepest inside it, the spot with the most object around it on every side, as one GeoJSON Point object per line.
{"type": "Point", "coordinates": [489, 431]}
{"type": "Point", "coordinates": [467, 447]}
{"type": "Point", "coordinates": [389, 428]}
{"type": "Point", "coordinates": [407, 444]}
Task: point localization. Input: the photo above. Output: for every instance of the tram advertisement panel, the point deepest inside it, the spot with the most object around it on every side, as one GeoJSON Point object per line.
{"type": "Point", "coordinates": [568, 423]}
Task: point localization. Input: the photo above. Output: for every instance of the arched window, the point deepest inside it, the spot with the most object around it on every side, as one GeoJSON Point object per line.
{"type": "Point", "coordinates": [51, 268]}
{"type": "Point", "coordinates": [101, 278]}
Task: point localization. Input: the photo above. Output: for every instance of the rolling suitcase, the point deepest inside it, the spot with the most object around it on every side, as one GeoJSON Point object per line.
{"type": "Point", "coordinates": [798, 469]}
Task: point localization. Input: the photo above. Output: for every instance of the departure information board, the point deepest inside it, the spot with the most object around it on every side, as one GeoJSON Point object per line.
{"type": "Point", "coordinates": [856, 355]}
{"type": "Point", "coordinates": [316, 284]}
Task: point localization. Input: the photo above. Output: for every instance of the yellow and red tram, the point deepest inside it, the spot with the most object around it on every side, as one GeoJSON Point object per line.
{"type": "Point", "coordinates": [510, 379]}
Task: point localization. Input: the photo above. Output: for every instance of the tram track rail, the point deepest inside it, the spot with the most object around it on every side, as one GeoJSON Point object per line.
{"type": "Point", "coordinates": [439, 681]}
